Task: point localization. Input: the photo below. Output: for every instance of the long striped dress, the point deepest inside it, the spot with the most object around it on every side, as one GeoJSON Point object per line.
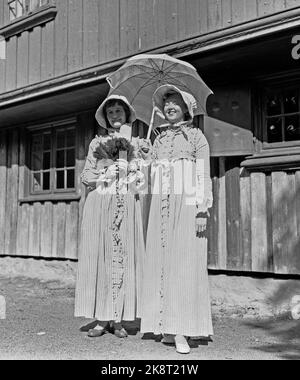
{"type": "Point", "coordinates": [112, 250]}
{"type": "Point", "coordinates": [175, 288]}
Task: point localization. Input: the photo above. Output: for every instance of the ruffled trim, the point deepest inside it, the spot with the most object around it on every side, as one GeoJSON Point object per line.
{"type": "Point", "coordinates": [119, 257]}
{"type": "Point", "coordinates": [165, 213]}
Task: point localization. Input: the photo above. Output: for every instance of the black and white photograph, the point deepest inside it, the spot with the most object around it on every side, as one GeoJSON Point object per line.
{"type": "Point", "coordinates": [149, 182]}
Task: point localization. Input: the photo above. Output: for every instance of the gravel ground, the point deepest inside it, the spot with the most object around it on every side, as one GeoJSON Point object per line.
{"type": "Point", "coordinates": [39, 324]}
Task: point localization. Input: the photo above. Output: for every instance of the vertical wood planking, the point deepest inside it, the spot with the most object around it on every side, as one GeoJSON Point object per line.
{"type": "Point", "coordinates": [279, 219]}
{"type": "Point", "coordinates": [23, 230]}
{"type": "Point", "coordinates": [228, 10]}
{"type": "Point", "coordinates": [3, 179]}
{"type": "Point", "coordinates": [171, 21]}
{"type": "Point", "coordinates": [265, 7]}
{"type": "Point", "coordinates": [75, 35]}
{"type": "Point", "coordinates": [31, 236]}
{"type": "Point", "coordinates": [203, 16]}
{"type": "Point", "coordinates": [285, 239]}
{"type": "Point", "coordinates": [239, 11]}
{"type": "Point", "coordinates": [234, 253]}
{"type": "Point", "coordinates": [47, 229]}
{"type": "Point", "coordinates": [35, 55]}
{"type": "Point", "coordinates": [11, 64]}
{"type": "Point", "coordinates": [47, 51]}
{"type": "Point", "coordinates": [187, 18]}
{"type": "Point", "coordinates": [212, 229]}
{"type": "Point", "coordinates": [129, 33]}
{"type": "Point", "coordinates": [293, 258]}
{"type": "Point", "coordinates": [279, 5]}
{"type": "Point", "coordinates": [2, 61]}
{"type": "Point", "coordinates": [90, 33]}
{"type": "Point", "coordinates": [59, 224]}
{"type": "Point", "coordinates": [251, 9]}
{"type": "Point", "coordinates": [36, 237]}
{"type": "Point", "coordinates": [71, 235]}
{"type": "Point", "coordinates": [222, 225]}
{"type": "Point", "coordinates": [2, 2]}
{"type": "Point", "coordinates": [23, 59]}
{"type": "Point", "coordinates": [23, 220]}
{"type": "Point", "coordinates": [297, 198]}
{"type": "Point", "coordinates": [245, 206]}
{"type": "Point", "coordinates": [291, 3]}
{"type": "Point", "coordinates": [146, 24]}
{"type": "Point", "coordinates": [61, 38]}
{"type": "Point", "coordinates": [61, 229]}
{"type": "Point", "coordinates": [214, 15]}
{"type": "Point", "coordinates": [259, 242]}
{"type": "Point", "coordinates": [109, 30]}
{"type": "Point", "coordinates": [11, 214]}
{"type": "Point", "coordinates": [80, 161]}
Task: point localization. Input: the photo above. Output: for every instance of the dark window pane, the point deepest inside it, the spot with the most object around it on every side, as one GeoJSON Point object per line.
{"type": "Point", "coordinates": [273, 106]}
{"type": "Point", "coordinates": [71, 137]}
{"type": "Point", "coordinates": [36, 186]}
{"type": "Point", "coordinates": [37, 161]}
{"type": "Point", "coordinates": [60, 139]}
{"type": "Point", "coordinates": [70, 179]}
{"type": "Point", "coordinates": [37, 143]}
{"type": "Point", "coordinates": [60, 159]}
{"type": "Point", "coordinates": [292, 128]}
{"type": "Point", "coordinates": [46, 181]}
{"type": "Point", "coordinates": [70, 157]}
{"type": "Point", "coordinates": [60, 179]}
{"type": "Point", "coordinates": [46, 161]}
{"type": "Point", "coordinates": [290, 101]}
{"type": "Point", "coordinates": [274, 127]}
{"type": "Point", "coordinates": [47, 141]}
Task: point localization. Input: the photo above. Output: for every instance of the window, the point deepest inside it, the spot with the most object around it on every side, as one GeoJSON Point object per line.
{"type": "Point", "coordinates": [19, 8]}
{"type": "Point", "coordinates": [52, 160]}
{"type": "Point", "coordinates": [281, 115]}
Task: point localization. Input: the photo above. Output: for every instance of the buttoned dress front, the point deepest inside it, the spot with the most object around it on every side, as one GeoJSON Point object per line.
{"type": "Point", "coordinates": [175, 285]}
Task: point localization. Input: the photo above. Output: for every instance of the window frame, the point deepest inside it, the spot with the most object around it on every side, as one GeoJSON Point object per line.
{"type": "Point", "coordinates": [52, 194]}
{"type": "Point", "coordinates": [259, 113]}
{"type": "Point", "coordinates": [30, 20]}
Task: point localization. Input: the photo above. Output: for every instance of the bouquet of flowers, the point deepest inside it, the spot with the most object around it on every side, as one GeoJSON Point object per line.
{"type": "Point", "coordinates": [119, 154]}
{"type": "Point", "coordinates": [114, 148]}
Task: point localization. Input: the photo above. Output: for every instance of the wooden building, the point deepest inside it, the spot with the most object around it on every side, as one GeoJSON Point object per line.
{"type": "Point", "coordinates": [54, 57]}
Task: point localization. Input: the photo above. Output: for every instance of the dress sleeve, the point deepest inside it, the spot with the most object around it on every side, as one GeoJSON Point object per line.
{"type": "Point", "coordinates": [202, 153]}
{"type": "Point", "coordinates": [94, 166]}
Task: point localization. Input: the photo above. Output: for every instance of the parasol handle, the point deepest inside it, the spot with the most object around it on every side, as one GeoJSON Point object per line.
{"type": "Point", "coordinates": [151, 123]}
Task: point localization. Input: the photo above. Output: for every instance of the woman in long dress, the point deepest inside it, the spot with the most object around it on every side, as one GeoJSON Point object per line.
{"type": "Point", "coordinates": [112, 243]}
{"type": "Point", "coordinates": [176, 301]}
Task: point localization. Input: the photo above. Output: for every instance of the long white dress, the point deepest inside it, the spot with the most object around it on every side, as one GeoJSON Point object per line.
{"type": "Point", "coordinates": [112, 250]}
{"type": "Point", "coordinates": [175, 287]}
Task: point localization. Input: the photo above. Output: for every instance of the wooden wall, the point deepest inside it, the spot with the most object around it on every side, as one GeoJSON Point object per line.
{"type": "Point", "coordinates": [255, 221]}
{"type": "Point", "coordinates": [40, 228]}
{"type": "Point", "coordinates": [88, 32]}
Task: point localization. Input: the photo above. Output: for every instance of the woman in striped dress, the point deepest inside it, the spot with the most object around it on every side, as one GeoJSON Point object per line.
{"type": "Point", "coordinates": [112, 243]}
{"type": "Point", "coordinates": [176, 301]}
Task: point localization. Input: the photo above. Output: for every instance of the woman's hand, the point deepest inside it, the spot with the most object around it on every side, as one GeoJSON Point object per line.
{"type": "Point", "coordinates": [111, 171]}
{"type": "Point", "coordinates": [201, 222]}
{"type": "Point", "coordinates": [122, 165]}
{"type": "Point", "coordinates": [201, 225]}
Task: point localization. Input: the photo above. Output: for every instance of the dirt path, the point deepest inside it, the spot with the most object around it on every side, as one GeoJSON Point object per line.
{"type": "Point", "coordinates": [40, 325]}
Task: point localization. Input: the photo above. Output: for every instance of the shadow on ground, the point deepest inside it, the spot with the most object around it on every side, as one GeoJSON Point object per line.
{"type": "Point", "coordinates": [284, 336]}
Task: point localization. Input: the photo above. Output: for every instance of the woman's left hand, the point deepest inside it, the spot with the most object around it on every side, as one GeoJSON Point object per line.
{"type": "Point", "coordinates": [122, 165]}
{"type": "Point", "coordinates": [201, 224]}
